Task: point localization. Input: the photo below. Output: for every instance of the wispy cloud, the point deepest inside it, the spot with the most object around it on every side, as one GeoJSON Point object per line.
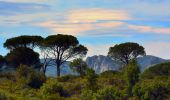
{"type": "Point", "coordinates": [149, 29]}
{"type": "Point", "coordinates": [79, 21]}
{"type": "Point", "coordinates": [94, 15]}
{"type": "Point", "coordinates": [14, 8]}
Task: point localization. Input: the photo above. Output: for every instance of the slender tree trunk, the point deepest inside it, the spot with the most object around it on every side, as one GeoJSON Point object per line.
{"type": "Point", "coordinates": [44, 69]}
{"type": "Point", "coordinates": [58, 70]}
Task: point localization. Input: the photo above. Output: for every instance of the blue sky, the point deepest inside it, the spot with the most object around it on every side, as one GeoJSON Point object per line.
{"type": "Point", "coordinates": [98, 24]}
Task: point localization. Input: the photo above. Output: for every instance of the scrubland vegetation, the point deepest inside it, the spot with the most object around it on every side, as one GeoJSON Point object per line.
{"type": "Point", "coordinates": [28, 82]}
{"type": "Point", "coordinates": [127, 84]}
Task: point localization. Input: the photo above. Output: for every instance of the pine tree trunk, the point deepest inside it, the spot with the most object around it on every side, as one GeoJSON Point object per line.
{"type": "Point", "coordinates": [58, 70]}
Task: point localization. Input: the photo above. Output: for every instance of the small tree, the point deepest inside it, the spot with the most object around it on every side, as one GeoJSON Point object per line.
{"type": "Point", "coordinates": [91, 79]}
{"type": "Point", "coordinates": [45, 54]}
{"type": "Point", "coordinates": [79, 66]}
{"type": "Point", "coordinates": [27, 76]}
{"type": "Point", "coordinates": [132, 75]}
{"type": "Point", "coordinates": [24, 56]}
{"type": "Point", "coordinates": [63, 47]}
{"type": "Point", "coordinates": [126, 51]}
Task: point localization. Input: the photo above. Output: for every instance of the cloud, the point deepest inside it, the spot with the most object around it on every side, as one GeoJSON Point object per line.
{"type": "Point", "coordinates": [94, 15]}
{"type": "Point", "coordinates": [79, 21]}
{"type": "Point", "coordinates": [77, 28]}
{"type": "Point", "coordinates": [14, 8]}
{"type": "Point", "coordinates": [145, 29]}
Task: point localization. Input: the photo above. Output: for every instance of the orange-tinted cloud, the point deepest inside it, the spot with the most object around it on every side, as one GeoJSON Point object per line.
{"type": "Point", "coordinates": [93, 15]}
{"type": "Point", "coordinates": [78, 21]}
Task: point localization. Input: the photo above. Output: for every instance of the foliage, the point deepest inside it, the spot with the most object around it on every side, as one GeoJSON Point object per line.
{"type": "Point", "coordinates": [87, 95]}
{"type": "Point", "coordinates": [126, 51]}
{"type": "Point", "coordinates": [66, 78]}
{"type": "Point", "coordinates": [132, 75]}
{"type": "Point", "coordinates": [51, 88]}
{"type": "Point", "coordinates": [109, 93]}
{"type": "Point", "coordinates": [3, 96]}
{"type": "Point", "coordinates": [29, 77]}
{"type": "Point", "coordinates": [62, 48]}
{"type": "Point", "coordinates": [7, 75]}
{"type": "Point", "coordinates": [157, 70]}
{"type": "Point", "coordinates": [24, 56]}
{"type": "Point", "coordinates": [23, 41]}
{"type": "Point", "coordinates": [91, 80]}
{"type": "Point", "coordinates": [2, 61]}
{"type": "Point", "coordinates": [79, 66]}
{"type": "Point", "coordinates": [109, 73]}
{"type": "Point", "coordinates": [153, 89]}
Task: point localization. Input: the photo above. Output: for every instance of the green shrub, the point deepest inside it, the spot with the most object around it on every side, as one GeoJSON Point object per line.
{"type": "Point", "coordinates": [52, 97]}
{"type": "Point", "coordinates": [153, 89]}
{"type": "Point", "coordinates": [65, 78]}
{"type": "Point", "coordinates": [109, 93]}
{"type": "Point", "coordinates": [91, 80]}
{"type": "Point", "coordinates": [87, 95]}
{"type": "Point", "coordinates": [3, 96]}
{"type": "Point", "coordinates": [108, 74]}
{"type": "Point", "coordinates": [131, 73]}
{"type": "Point", "coordinates": [27, 76]}
{"type": "Point", "coordinates": [51, 88]}
{"type": "Point", "coordinates": [157, 70]}
{"type": "Point", "coordinates": [7, 75]}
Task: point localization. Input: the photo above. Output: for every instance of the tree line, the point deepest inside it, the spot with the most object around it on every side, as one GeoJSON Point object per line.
{"type": "Point", "coordinates": [57, 49]}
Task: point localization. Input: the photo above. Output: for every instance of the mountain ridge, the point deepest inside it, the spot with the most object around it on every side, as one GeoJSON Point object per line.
{"type": "Point", "coordinates": [101, 63]}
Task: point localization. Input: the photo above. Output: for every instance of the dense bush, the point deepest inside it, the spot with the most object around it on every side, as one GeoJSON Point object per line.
{"type": "Point", "coordinates": [7, 75]}
{"type": "Point", "coordinates": [91, 80]}
{"type": "Point", "coordinates": [3, 96]}
{"type": "Point", "coordinates": [51, 88]}
{"type": "Point", "coordinates": [157, 70]}
{"type": "Point", "coordinates": [109, 73]}
{"type": "Point", "coordinates": [87, 95]}
{"type": "Point", "coordinates": [28, 76]}
{"type": "Point", "coordinates": [66, 78]}
{"type": "Point", "coordinates": [153, 89]}
{"type": "Point", "coordinates": [109, 93]}
{"type": "Point", "coordinates": [24, 56]}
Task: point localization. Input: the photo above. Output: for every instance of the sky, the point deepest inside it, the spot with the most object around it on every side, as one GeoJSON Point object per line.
{"type": "Point", "coordinates": [98, 24]}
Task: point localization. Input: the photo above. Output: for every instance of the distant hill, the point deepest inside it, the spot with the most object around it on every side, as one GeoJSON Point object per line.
{"type": "Point", "coordinates": [149, 60]}
{"type": "Point", "coordinates": [103, 63]}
